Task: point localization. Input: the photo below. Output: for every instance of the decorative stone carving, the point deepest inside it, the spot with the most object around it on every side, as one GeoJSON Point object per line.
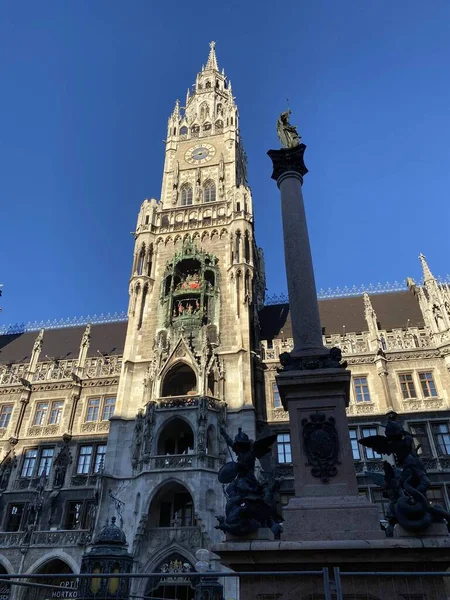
{"type": "Point", "coordinates": [61, 463]}
{"type": "Point", "coordinates": [321, 445]}
{"type": "Point", "coordinates": [6, 467]}
{"type": "Point", "coordinates": [331, 360]}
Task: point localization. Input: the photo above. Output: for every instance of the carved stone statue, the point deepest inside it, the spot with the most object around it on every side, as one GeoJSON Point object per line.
{"type": "Point", "coordinates": [249, 503]}
{"type": "Point", "coordinates": [287, 133]}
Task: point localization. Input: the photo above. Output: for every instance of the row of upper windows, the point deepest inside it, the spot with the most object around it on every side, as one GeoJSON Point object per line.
{"type": "Point", "coordinates": [431, 439]}
{"type": "Point", "coordinates": [209, 193]}
{"type": "Point", "coordinates": [407, 382]}
{"type": "Point", "coordinates": [77, 515]}
{"type": "Point", "coordinates": [50, 413]}
{"type": "Point", "coordinates": [38, 461]}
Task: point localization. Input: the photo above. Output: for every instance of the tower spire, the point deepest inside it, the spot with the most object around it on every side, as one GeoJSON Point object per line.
{"type": "Point", "coordinates": [427, 274]}
{"type": "Point", "coordinates": [212, 59]}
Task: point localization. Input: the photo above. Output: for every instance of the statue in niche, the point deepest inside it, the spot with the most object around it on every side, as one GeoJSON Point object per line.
{"type": "Point", "coordinates": [437, 314]}
{"type": "Point", "coordinates": [406, 484]}
{"type": "Point", "coordinates": [250, 505]}
{"type": "Point", "coordinates": [62, 461]}
{"type": "Point", "coordinates": [287, 133]}
{"type": "Point", "coordinates": [6, 467]}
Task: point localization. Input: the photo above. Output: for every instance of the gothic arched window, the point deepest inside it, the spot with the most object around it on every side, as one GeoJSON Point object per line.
{"type": "Point", "coordinates": [208, 85]}
{"type": "Point", "coordinates": [219, 110]}
{"type": "Point", "coordinates": [209, 191]}
{"type": "Point", "coordinates": [186, 195]}
{"type": "Point", "coordinates": [184, 130]}
{"type": "Point", "coordinates": [219, 126]}
{"type": "Point", "coordinates": [140, 261]}
{"type": "Point", "coordinates": [207, 126]}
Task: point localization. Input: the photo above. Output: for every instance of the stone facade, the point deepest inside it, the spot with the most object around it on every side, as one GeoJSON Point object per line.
{"type": "Point", "coordinates": [124, 417]}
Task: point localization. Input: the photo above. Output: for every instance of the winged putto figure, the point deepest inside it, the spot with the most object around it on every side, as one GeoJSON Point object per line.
{"type": "Point", "coordinates": [250, 505]}
{"type": "Point", "coordinates": [405, 485]}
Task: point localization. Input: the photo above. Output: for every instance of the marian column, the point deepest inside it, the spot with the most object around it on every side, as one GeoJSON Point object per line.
{"type": "Point", "coordinates": [314, 384]}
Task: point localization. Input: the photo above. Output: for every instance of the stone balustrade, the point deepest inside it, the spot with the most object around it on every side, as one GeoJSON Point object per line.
{"type": "Point", "coordinates": [188, 537]}
{"type": "Point", "coordinates": [58, 539]}
{"type": "Point", "coordinates": [102, 366]}
{"type": "Point", "coordinates": [184, 461]}
{"type": "Point", "coordinates": [357, 343]}
{"type": "Point", "coordinates": [54, 370]}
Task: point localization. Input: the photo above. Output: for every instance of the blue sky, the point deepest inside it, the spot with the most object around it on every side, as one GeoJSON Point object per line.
{"type": "Point", "coordinates": [87, 87]}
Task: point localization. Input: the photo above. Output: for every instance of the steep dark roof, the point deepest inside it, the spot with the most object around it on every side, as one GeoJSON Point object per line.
{"type": "Point", "coordinates": [393, 310]}
{"type": "Point", "coordinates": [108, 338]}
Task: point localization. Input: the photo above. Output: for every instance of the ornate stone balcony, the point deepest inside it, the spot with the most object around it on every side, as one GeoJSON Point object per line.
{"type": "Point", "coordinates": [54, 370]}
{"type": "Point", "coordinates": [12, 374]}
{"type": "Point", "coordinates": [84, 480]}
{"type": "Point", "coordinates": [189, 537]}
{"type": "Point", "coordinates": [102, 366]}
{"type": "Point", "coordinates": [358, 343]}
{"type": "Point", "coordinates": [187, 402]}
{"type": "Point", "coordinates": [59, 539]}
{"type": "Point", "coordinates": [184, 461]}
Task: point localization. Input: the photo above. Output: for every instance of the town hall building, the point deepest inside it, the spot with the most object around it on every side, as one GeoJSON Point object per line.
{"type": "Point", "coordinates": [123, 418]}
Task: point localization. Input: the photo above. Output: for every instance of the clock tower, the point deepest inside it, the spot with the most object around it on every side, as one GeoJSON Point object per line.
{"type": "Point", "coordinates": [196, 285]}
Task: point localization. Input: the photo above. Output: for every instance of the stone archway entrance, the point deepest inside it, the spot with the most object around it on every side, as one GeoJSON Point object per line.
{"type": "Point", "coordinates": [68, 587]}
{"type": "Point", "coordinates": [169, 587]}
{"type": "Point", "coordinates": [5, 592]}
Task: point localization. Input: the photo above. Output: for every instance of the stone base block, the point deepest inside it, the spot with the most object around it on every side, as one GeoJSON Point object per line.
{"type": "Point", "coordinates": [331, 518]}
{"type": "Point", "coordinates": [263, 534]}
{"type": "Point", "coordinates": [434, 530]}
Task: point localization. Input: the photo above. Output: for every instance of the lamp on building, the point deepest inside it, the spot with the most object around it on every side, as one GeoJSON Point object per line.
{"type": "Point", "coordinates": [209, 587]}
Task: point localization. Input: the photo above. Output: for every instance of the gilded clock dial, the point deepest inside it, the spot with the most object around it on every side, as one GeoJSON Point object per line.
{"type": "Point", "coordinates": [200, 154]}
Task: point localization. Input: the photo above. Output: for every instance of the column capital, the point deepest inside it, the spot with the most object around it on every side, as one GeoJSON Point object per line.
{"type": "Point", "coordinates": [288, 160]}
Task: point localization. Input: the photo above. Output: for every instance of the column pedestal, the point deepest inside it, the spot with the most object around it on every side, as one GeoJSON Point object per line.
{"type": "Point", "coordinates": [326, 505]}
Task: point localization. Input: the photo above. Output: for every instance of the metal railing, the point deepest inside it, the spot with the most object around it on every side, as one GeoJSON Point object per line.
{"type": "Point", "coordinates": [327, 583]}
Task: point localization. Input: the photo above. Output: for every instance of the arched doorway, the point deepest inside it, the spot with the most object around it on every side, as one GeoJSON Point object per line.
{"type": "Point", "coordinates": [172, 506]}
{"type": "Point", "coordinates": [68, 586]}
{"type": "Point", "coordinates": [179, 381]}
{"type": "Point", "coordinates": [5, 590]}
{"type": "Point", "coordinates": [169, 586]}
{"type": "Point", "coordinates": [176, 437]}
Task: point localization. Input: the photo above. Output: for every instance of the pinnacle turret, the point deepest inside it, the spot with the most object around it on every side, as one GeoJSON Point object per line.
{"type": "Point", "coordinates": [427, 274]}
{"type": "Point", "coordinates": [212, 59]}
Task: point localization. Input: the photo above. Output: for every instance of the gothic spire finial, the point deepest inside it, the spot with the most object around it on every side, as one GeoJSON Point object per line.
{"type": "Point", "coordinates": [427, 274]}
{"type": "Point", "coordinates": [212, 59]}
{"type": "Point", "coordinates": [176, 110]}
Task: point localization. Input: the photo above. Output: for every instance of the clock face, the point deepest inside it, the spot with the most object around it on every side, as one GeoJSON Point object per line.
{"type": "Point", "coordinates": [199, 154]}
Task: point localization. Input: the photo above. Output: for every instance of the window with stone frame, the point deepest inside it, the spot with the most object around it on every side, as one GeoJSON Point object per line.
{"type": "Point", "coordinates": [427, 384]}
{"type": "Point", "coordinates": [354, 443]}
{"type": "Point", "coordinates": [48, 413]}
{"type": "Point", "coordinates": [100, 409]}
{"type": "Point", "coordinates": [37, 462]}
{"type": "Point", "coordinates": [109, 405]}
{"type": "Point", "coordinates": [421, 438]}
{"type": "Point", "coordinates": [441, 435]}
{"type": "Point", "coordinates": [407, 386]}
{"type": "Point", "coordinates": [209, 191]}
{"type": "Point", "coordinates": [276, 399]}
{"type": "Point", "coordinates": [361, 388]}
{"type": "Point", "coordinates": [436, 495]}
{"type": "Point", "coordinates": [186, 195]}
{"type": "Point", "coordinates": [284, 448]}
{"type": "Point", "coordinates": [5, 414]}
{"type": "Point", "coordinates": [56, 412]}
{"type": "Point", "coordinates": [92, 410]}
{"type": "Point", "coordinates": [366, 432]}
{"type": "Point", "coordinates": [40, 415]}
{"type": "Point", "coordinates": [15, 516]}
{"type": "Point", "coordinates": [79, 514]}
{"type": "Point", "coordinates": [91, 459]}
